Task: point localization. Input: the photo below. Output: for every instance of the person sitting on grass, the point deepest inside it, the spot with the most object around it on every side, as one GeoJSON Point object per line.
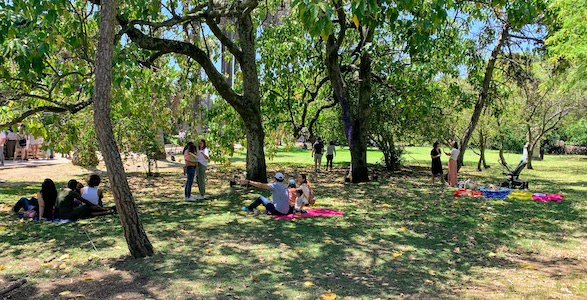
{"type": "Point", "coordinates": [279, 193]}
{"type": "Point", "coordinates": [73, 206]}
{"type": "Point", "coordinates": [92, 192]}
{"type": "Point", "coordinates": [43, 205]}
{"type": "Point", "coordinates": [292, 191]}
{"type": "Point", "coordinates": [303, 194]}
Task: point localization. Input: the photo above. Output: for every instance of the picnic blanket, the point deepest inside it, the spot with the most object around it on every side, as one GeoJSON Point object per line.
{"type": "Point", "coordinates": [547, 197]}
{"type": "Point", "coordinates": [313, 212]}
{"type": "Point", "coordinates": [466, 193]}
{"type": "Point", "coordinates": [520, 195]}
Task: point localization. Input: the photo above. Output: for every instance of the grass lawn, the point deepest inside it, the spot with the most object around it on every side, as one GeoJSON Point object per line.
{"type": "Point", "coordinates": [400, 237]}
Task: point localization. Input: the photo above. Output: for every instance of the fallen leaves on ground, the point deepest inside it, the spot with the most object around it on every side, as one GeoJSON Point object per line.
{"type": "Point", "coordinates": [328, 296]}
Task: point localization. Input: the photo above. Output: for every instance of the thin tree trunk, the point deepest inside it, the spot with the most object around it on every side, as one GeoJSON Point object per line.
{"type": "Point", "coordinates": [501, 144]}
{"type": "Point", "coordinates": [136, 238]}
{"type": "Point", "coordinates": [481, 151]}
{"type": "Point", "coordinates": [483, 94]}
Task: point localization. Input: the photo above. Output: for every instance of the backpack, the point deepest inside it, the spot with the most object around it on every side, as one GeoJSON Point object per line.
{"type": "Point", "coordinates": [21, 141]}
{"type": "Point", "coordinates": [312, 199]}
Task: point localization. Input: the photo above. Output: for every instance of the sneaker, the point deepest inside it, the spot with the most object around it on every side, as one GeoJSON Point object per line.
{"type": "Point", "coordinates": [190, 199]}
{"type": "Point", "coordinates": [246, 209]}
{"type": "Point", "coordinates": [200, 197]}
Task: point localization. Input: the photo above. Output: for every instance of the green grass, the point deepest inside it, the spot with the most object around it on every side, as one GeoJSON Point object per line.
{"type": "Point", "coordinates": [399, 238]}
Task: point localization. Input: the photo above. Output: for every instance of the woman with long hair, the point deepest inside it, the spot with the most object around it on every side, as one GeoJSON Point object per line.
{"type": "Point", "coordinates": [435, 154]}
{"type": "Point", "coordinates": [452, 164]}
{"type": "Point", "coordinates": [203, 157]}
{"type": "Point", "coordinates": [43, 205]}
{"type": "Point", "coordinates": [190, 170]}
{"type": "Point", "coordinates": [303, 193]}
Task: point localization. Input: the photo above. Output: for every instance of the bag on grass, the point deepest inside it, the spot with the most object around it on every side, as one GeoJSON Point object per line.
{"type": "Point", "coordinates": [312, 199]}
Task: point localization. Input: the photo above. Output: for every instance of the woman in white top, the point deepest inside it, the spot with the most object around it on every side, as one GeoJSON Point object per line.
{"type": "Point", "coordinates": [304, 196]}
{"type": "Point", "coordinates": [34, 144]}
{"type": "Point", "coordinates": [91, 192]}
{"type": "Point", "coordinates": [203, 157]}
{"type": "Point", "coordinates": [330, 152]}
{"type": "Point", "coordinates": [452, 164]}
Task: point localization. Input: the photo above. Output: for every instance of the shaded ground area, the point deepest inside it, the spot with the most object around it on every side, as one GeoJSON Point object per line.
{"type": "Point", "coordinates": [400, 238]}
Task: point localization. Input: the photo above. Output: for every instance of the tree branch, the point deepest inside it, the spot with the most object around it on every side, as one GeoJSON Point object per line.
{"type": "Point", "coordinates": [523, 37]}
{"type": "Point", "coordinates": [226, 42]}
{"type": "Point", "coordinates": [72, 108]}
{"type": "Point", "coordinates": [171, 46]}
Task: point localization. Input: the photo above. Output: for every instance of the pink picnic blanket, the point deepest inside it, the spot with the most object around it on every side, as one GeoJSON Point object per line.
{"type": "Point", "coordinates": [547, 197]}
{"type": "Point", "coordinates": [313, 212]}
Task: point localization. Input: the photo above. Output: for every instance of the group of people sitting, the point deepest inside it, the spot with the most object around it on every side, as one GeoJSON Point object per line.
{"type": "Point", "coordinates": [285, 199]}
{"type": "Point", "coordinates": [74, 202]}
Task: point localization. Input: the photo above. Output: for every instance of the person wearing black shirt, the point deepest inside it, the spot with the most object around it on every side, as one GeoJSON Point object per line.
{"type": "Point", "coordinates": [317, 150]}
{"type": "Point", "coordinates": [436, 163]}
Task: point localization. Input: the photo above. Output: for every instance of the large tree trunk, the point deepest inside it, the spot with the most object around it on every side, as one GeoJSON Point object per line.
{"type": "Point", "coordinates": [136, 238]}
{"type": "Point", "coordinates": [483, 94]}
{"type": "Point", "coordinates": [356, 125]}
{"type": "Point", "coordinates": [251, 114]}
{"type": "Point", "coordinates": [360, 132]}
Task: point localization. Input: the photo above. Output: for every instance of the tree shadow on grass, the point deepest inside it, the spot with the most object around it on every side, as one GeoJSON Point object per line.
{"type": "Point", "coordinates": [90, 285]}
{"type": "Point", "coordinates": [398, 237]}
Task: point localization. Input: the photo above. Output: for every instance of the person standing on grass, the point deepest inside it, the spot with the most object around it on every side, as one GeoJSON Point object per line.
{"type": "Point", "coordinates": [452, 164]}
{"type": "Point", "coordinates": [524, 157]}
{"type": "Point", "coordinates": [435, 154]}
{"type": "Point", "coordinates": [203, 157]}
{"type": "Point", "coordinates": [189, 157]}
{"type": "Point", "coordinates": [317, 150]}
{"type": "Point", "coordinates": [190, 170]}
{"type": "Point", "coordinates": [330, 152]}
{"type": "Point", "coordinates": [279, 193]}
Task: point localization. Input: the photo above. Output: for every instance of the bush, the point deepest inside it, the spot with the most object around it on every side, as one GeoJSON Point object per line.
{"type": "Point", "coordinates": [576, 132]}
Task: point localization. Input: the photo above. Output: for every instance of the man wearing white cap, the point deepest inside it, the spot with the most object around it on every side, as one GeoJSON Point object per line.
{"type": "Point", "coordinates": [279, 194]}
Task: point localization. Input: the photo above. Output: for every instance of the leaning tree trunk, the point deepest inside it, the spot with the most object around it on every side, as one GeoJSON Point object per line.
{"type": "Point", "coordinates": [136, 238]}
{"type": "Point", "coordinates": [483, 94]}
